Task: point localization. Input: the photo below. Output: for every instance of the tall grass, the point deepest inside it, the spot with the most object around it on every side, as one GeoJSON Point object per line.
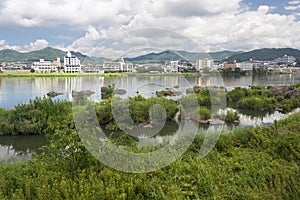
{"type": "Point", "coordinates": [253, 163]}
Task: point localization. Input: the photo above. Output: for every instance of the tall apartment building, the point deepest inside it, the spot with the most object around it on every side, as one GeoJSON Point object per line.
{"type": "Point", "coordinates": [71, 64]}
{"type": "Point", "coordinates": [204, 64]}
{"type": "Point", "coordinates": [172, 66]}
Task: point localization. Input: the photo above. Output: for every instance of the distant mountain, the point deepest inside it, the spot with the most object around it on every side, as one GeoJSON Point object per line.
{"type": "Point", "coordinates": [46, 53]}
{"type": "Point", "coordinates": [180, 55]}
{"type": "Point", "coordinates": [8, 55]}
{"type": "Point", "coordinates": [193, 56]}
{"type": "Point", "coordinates": [264, 54]}
{"type": "Point", "coordinates": [229, 56]}
{"type": "Point", "coordinates": [156, 57]}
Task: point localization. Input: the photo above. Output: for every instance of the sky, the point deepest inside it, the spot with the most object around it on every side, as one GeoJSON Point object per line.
{"type": "Point", "coordinates": [110, 28]}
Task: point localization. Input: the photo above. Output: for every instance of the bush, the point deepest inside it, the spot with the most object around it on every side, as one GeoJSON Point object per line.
{"type": "Point", "coordinates": [203, 113]}
{"type": "Point", "coordinates": [231, 117]}
{"type": "Point", "coordinates": [32, 118]}
{"type": "Point", "coordinates": [237, 94]}
{"type": "Point", "coordinates": [257, 104]}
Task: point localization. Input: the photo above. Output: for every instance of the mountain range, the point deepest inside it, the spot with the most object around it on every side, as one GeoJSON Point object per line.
{"type": "Point", "coordinates": [229, 56]}
{"type": "Point", "coordinates": [264, 54]}
{"type": "Point", "coordinates": [48, 53]}
{"type": "Point", "coordinates": [180, 55]}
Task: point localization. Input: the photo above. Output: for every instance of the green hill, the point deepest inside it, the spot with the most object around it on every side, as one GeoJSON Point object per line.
{"type": "Point", "coordinates": [156, 57]}
{"type": "Point", "coordinates": [179, 55]}
{"type": "Point", "coordinates": [229, 56]}
{"type": "Point", "coordinates": [193, 56]}
{"type": "Point", "coordinates": [264, 54]}
{"type": "Point", "coordinates": [10, 55]}
{"type": "Point", "coordinates": [46, 53]}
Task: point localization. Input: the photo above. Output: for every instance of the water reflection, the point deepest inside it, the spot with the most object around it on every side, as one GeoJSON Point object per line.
{"type": "Point", "coordinates": [268, 119]}
{"type": "Point", "coordinates": [21, 90]}
{"type": "Point", "coordinates": [14, 148]}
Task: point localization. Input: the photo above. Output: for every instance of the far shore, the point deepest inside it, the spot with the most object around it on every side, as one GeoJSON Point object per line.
{"type": "Point", "coordinates": [111, 74]}
{"type": "Point", "coordinates": [55, 74]}
{"type": "Point", "coordinates": [23, 73]}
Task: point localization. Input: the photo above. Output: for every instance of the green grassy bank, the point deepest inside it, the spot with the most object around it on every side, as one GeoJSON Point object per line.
{"type": "Point", "coordinates": [260, 163]}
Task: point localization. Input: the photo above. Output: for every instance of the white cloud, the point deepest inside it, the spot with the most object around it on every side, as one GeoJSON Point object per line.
{"type": "Point", "coordinates": [190, 8]}
{"type": "Point", "coordinates": [4, 45]}
{"type": "Point", "coordinates": [30, 13]}
{"type": "Point", "coordinates": [37, 45]}
{"type": "Point", "coordinates": [104, 13]}
{"type": "Point", "coordinates": [249, 30]}
{"type": "Point", "coordinates": [32, 46]}
{"type": "Point", "coordinates": [2, 42]}
{"type": "Point", "coordinates": [116, 27]}
{"type": "Point", "coordinates": [292, 7]}
{"type": "Point", "coordinates": [294, 2]}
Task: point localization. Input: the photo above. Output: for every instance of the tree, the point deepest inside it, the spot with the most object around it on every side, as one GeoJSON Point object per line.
{"type": "Point", "coordinates": [108, 92]}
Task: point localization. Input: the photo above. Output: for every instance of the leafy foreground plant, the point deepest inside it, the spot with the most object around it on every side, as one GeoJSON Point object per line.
{"type": "Point", "coordinates": [260, 163]}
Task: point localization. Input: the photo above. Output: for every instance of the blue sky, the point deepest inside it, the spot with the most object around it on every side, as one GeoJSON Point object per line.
{"type": "Point", "coordinates": [278, 4]}
{"type": "Point", "coordinates": [28, 25]}
{"type": "Point", "coordinates": [18, 35]}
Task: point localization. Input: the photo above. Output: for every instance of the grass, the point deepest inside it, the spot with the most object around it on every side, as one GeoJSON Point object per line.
{"type": "Point", "coordinates": [260, 163]}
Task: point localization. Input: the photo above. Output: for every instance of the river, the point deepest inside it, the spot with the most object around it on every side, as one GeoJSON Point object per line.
{"type": "Point", "coordinates": [21, 89]}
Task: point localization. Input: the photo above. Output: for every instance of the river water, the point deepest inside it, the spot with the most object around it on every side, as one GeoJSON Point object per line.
{"type": "Point", "coordinates": [20, 90]}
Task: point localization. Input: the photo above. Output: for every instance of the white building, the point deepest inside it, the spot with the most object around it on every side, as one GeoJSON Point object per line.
{"type": "Point", "coordinates": [93, 69]}
{"type": "Point", "coordinates": [245, 66]}
{"type": "Point", "coordinates": [204, 64]}
{"type": "Point", "coordinates": [172, 66]}
{"type": "Point", "coordinates": [71, 64]}
{"type": "Point", "coordinates": [286, 59]}
{"type": "Point", "coordinates": [44, 66]}
{"type": "Point", "coordinates": [119, 66]}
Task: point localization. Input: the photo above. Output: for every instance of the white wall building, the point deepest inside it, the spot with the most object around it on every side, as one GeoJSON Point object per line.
{"type": "Point", "coordinates": [286, 59]}
{"type": "Point", "coordinates": [117, 66]}
{"type": "Point", "coordinates": [71, 64]}
{"type": "Point", "coordinates": [204, 64]}
{"type": "Point", "coordinates": [245, 66]}
{"type": "Point", "coordinates": [44, 66]}
{"type": "Point", "coordinates": [172, 66]}
{"type": "Point", "coordinates": [111, 66]}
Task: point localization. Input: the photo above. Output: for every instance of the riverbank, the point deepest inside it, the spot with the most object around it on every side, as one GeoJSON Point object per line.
{"type": "Point", "coordinates": [260, 163]}
{"type": "Point", "coordinates": [28, 74]}
{"type": "Point", "coordinates": [112, 74]}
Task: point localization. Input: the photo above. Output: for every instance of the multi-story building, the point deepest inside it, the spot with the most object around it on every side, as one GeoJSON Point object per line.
{"type": "Point", "coordinates": [117, 66]}
{"type": "Point", "coordinates": [71, 64]}
{"type": "Point", "coordinates": [286, 59]}
{"type": "Point", "coordinates": [245, 66]}
{"type": "Point", "coordinates": [111, 66]}
{"type": "Point", "coordinates": [44, 66]}
{"type": "Point", "coordinates": [229, 65]}
{"type": "Point", "coordinates": [93, 69]}
{"type": "Point", "coordinates": [204, 64]}
{"type": "Point", "coordinates": [172, 66]}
